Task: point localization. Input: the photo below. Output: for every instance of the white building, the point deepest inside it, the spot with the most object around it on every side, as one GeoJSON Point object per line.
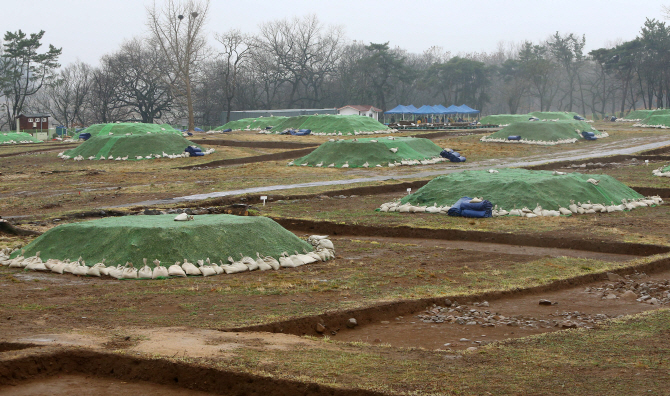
{"type": "Point", "coordinates": [362, 110]}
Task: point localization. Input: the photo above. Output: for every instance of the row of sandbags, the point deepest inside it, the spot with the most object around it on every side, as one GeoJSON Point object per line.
{"type": "Point", "coordinates": [339, 133]}
{"type": "Point", "coordinates": [139, 157]}
{"type": "Point", "coordinates": [573, 208]}
{"type": "Point", "coordinates": [659, 172]}
{"type": "Point", "coordinates": [323, 251]}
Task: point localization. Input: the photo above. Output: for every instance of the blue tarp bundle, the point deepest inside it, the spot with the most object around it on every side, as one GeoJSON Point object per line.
{"type": "Point", "coordinates": [578, 118]}
{"type": "Point", "coordinates": [301, 132]}
{"type": "Point", "coordinates": [589, 135]}
{"type": "Point", "coordinates": [84, 136]}
{"type": "Point", "coordinates": [452, 156]}
{"type": "Point", "coordinates": [513, 137]}
{"type": "Point", "coordinates": [227, 130]}
{"type": "Point", "coordinates": [194, 151]}
{"type": "Point", "coordinates": [464, 208]}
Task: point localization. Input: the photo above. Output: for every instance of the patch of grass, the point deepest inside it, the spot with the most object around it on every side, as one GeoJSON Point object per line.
{"type": "Point", "coordinates": [623, 357]}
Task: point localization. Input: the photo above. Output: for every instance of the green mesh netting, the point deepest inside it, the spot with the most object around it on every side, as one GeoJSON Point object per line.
{"type": "Point", "coordinates": [657, 117]}
{"type": "Point", "coordinates": [17, 137]}
{"type": "Point", "coordinates": [347, 124]}
{"type": "Point", "coordinates": [131, 146]}
{"type": "Point", "coordinates": [357, 153]}
{"type": "Point", "coordinates": [132, 238]}
{"type": "Point", "coordinates": [520, 187]}
{"type": "Point", "coordinates": [252, 123]}
{"type": "Point", "coordinates": [504, 119]}
{"type": "Point", "coordinates": [553, 115]}
{"type": "Point", "coordinates": [639, 114]}
{"type": "Point", "coordinates": [123, 128]}
{"type": "Point", "coordinates": [547, 131]}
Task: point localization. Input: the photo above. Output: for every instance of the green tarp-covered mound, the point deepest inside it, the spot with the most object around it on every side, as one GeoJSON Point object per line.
{"type": "Point", "coordinates": [168, 145]}
{"type": "Point", "coordinates": [252, 124]}
{"type": "Point", "coordinates": [17, 138]}
{"type": "Point", "coordinates": [554, 115]}
{"type": "Point", "coordinates": [333, 125]}
{"type": "Point", "coordinates": [355, 153]}
{"type": "Point", "coordinates": [133, 238]}
{"type": "Point", "coordinates": [656, 119]}
{"type": "Point", "coordinates": [124, 128]}
{"type": "Point", "coordinates": [506, 119]}
{"type": "Point", "coordinates": [637, 115]}
{"type": "Point", "coordinates": [543, 132]}
{"type": "Point", "coordinates": [518, 188]}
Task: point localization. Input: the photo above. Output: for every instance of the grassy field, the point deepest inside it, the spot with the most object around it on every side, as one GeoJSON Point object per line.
{"type": "Point", "coordinates": [624, 357]}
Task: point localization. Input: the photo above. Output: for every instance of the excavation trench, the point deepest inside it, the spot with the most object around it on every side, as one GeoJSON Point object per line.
{"type": "Point", "coordinates": [60, 371]}
{"type": "Point", "coordinates": [399, 324]}
{"type": "Point", "coordinates": [331, 228]}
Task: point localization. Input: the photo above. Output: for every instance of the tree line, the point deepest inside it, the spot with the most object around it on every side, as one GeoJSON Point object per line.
{"type": "Point", "coordinates": [181, 71]}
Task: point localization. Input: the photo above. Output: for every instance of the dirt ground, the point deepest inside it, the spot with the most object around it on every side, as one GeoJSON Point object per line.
{"type": "Point", "coordinates": [61, 334]}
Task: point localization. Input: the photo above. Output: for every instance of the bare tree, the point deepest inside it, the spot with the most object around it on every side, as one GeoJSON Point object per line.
{"type": "Point", "coordinates": [103, 104]}
{"type": "Point", "coordinates": [235, 54]}
{"type": "Point", "coordinates": [67, 97]}
{"type": "Point", "coordinates": [178, 30]}
{"type": "Point", "coordinates": [140, 85]}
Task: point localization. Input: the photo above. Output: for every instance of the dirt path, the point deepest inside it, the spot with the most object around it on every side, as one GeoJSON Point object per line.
{"type": "Point", "coordinates": [67, 385]}
{"type": "Point", "coordinates": [605, 149]}
{"type": "Point", "coordinates": [506, 249]}
{"type": "Point", "coordinates": [521, 316]}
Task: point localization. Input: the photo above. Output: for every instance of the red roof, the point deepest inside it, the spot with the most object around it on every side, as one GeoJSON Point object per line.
{"type": "Point", "coordinates": [362, 108]}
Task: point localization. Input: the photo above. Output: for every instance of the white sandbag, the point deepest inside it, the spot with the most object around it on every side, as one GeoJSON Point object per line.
{"type": "Point", "coordinates": [176, 270]}
{"type": "Point", "coordinates": [249, 262]}
{"type": "Point", "coordinates": [285, 261]}
{"type": "Point", "coordinates": [129, 272]}
{"type": "Point", "coordinates": [190, 268]}
{"type": "Point", "coordinates": [58, 268]}
{"type": "Point", "coordinates": [95, 270]}
{"type": "Point", "coordinates": [207, 270]}
{"type": "Point", "coordinates": [80, 270]}
{"type": "Point", "coordinates": [145, 272]}
{"type": "Point", "coordinates": [296, 260]}
{"type": "Point", "coordinates": [271, 262]}
{"type": "Point", "coordinates": [116, 272]}
{"type": "Point", "coordinates": [159, 272]}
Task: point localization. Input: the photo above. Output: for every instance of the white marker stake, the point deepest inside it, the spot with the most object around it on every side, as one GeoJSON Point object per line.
{"type": "Point", "coordinates": [409, 191]}
{"type": "Point", "coordinates": [646, 162]}
{"type": "Point", "coordinates": [264, 198]}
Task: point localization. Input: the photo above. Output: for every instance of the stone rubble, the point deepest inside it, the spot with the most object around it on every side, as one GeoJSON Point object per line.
{"type": "Point", "coordinates": [464, 315]}
{"type": "Point", "coordinates": [636, 287]}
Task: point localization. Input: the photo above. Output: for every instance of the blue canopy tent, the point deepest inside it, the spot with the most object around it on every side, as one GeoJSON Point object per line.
{"type": "Point", "coordinates": [465, 109]}
{"type": "Point", "coordinates": [400, 109]}
{"type": "Point", "coordinates": [426, 110]}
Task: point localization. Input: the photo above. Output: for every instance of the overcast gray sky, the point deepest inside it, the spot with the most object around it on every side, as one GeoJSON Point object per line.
{"type": "Point", "coordinates": [87, 29]}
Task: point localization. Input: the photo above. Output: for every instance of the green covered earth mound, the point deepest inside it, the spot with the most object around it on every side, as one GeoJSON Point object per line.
{"type": "Point", "coordinates": [543, 132]}
{"type": "Point", "coordinates": [251, 124]}
{"type": "Point", "coordinates": [518, 188]}
{"type": "Point", "coordinates": [507, 119]}
{"type": "Point", "coordinates": [656, 119]}
{"type": "Point", "coordinates": [169, 145]}
{"type": "Point", "coordinates": [17, 138]}
{"type": "Point", "coordinates": [133, 238]}
{"type": "Point", "coordinates": [355, 153]}
{"type": "Point", "coordinates": [125, 128]}
{"type": "Point", "coordinates": [332, 125]}
{"type": "Point", "coordinates": [639, 115]}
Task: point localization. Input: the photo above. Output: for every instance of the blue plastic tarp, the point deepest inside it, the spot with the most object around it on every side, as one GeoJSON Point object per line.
{"type": "Point", "coordinates": [464, 208]}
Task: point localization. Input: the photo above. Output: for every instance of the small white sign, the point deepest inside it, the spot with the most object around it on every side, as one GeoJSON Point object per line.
{"type": "Point", "coordinates": [264, 198]}
{"type": "Point", "coordinates": [409, 191]}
